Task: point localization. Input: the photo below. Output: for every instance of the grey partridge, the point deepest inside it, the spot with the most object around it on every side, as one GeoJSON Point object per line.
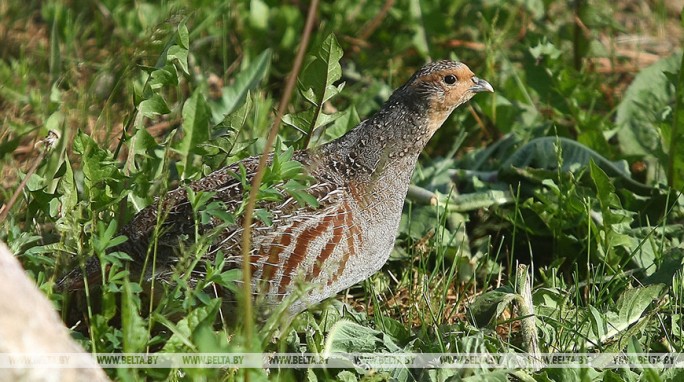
{"type": "Point", "coordinates": [360, 181]}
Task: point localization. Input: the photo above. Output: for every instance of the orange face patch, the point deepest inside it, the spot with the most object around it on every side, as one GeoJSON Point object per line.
{"type": "Point", "coordinates": [448, 88]}
{"type": "Point", "coordinates": [449, 93]}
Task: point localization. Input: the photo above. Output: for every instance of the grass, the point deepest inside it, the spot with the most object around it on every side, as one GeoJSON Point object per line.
{"type": "Point", "coordinates": [137, 94]}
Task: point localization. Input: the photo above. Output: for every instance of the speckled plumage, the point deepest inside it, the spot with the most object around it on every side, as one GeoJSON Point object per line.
{"type": "Point", "coordinates": [360, 181]}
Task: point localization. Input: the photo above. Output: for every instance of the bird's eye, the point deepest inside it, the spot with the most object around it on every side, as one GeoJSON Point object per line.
{"type": "Point", "coordinates": [450, 79]}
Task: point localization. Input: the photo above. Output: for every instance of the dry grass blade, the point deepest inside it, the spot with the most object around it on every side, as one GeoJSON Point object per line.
{"type": "Point", "coordinates": [258, 177]}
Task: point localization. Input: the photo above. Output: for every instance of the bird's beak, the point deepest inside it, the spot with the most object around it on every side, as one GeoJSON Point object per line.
{"type": "Point", "coordinates": [481, 86]}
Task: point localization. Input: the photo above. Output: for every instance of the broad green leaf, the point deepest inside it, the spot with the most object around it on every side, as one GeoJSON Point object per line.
{"type": "Point", "coordinates": [258, 14]}
{"type": "Point", "coordinates": [35, 183]}
{"type": "Point", "coordinates": [673, 134]}
{"type": "Point", "coordinates": [567, 374]}
{"type": "Point", "coordinates": [394, 328]}
{"type": "Point", "coordinates": [599, 326]}
{"type": "Point", "coordinates": [263, 216]}
{"type": "Point", "coordinates": [489, 376]}
{"type": "Point", "coordinates": [349, 337]}
{"type": "Point", "coordinates": [547, 152]}
{"type": "Point", "coordinates": [155, 105]}
{"type": "Point", "coordinates": [226, 135]}
{"type": "Point", "coordinates": [165, 76]}
{"type": "Point", "coordinates": [548, 298]}
{"type": "Point", "coordinates": [488, 307]}
{"type": "Point", "coordinates": [234, 95]}
{"type": "Point", "coordinates": [318, 77]}
{"type": "Point", "coordinates": [196, 119]}
{"type": "Point", "coordinates": [181, 340]}
{"type": "Point", "coordinates": [95, 161]}
{"type": "Point", "coordinates": [317, 85]}
{"type": "Point", "coordinates": [634, 302]}
{"type": "Point", "coordinates": [68, 190]}
{"type": "Point", "coordinates": [219, 210]}
{"type": "Point", "coordinates": [144, 142]}
{"type": "Point", "coordinates": [421, 222]}
{"type": "Point", "coordinates": [300, 120]}
{"type": "Point", "coordinates": [237, 119]}
{"type": "Point", "coordinates": [183, 36]}
{"type": "Point", "coordinates": [346, 376]}
{"type": "Point", "coordinates": [647, 97]}
{"type": "Point", "coordinates": [303, 120]}
{"type": "Point", "coordinates": [179, 55]}
{"type": "Point", "coordinates": [230, 279]}
{"type": "Point", "coordinates": [646, 122]}
{"type": "Point", "coordinates": [477, 200]}
{"type": "Point", "coordinates": [105, 238]}
{"type": "Point", "coordinates": [198, 199]}
{"type": "Point", "coordinates": [299, 191]}
{"type": "Point", "coordinates": [134, 329]}
{"type": "Point", "coordinates": [628, 311]}
{"type": "Point", "coordinates": [545, 49]}
{"type": "Point", "coordinates": [604, 187]}
{"type": "Point", "coordinates": [673, 262]}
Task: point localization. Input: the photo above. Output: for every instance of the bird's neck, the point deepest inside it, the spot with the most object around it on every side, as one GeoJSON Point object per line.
{"type": "Point", "coordinates": [389, 141]}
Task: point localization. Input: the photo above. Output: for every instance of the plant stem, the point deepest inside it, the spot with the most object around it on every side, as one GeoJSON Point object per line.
{"type": "Point", "coordinates": [677, 119]}
{"type": "Point", "coordinates": [578, 37]}
{"type": "Point", "coordinates": [258, 177]}
{"type": "Point", "coordinates": [523, 286]}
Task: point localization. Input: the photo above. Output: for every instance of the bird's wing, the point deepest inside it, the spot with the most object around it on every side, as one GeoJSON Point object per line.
{"type": "Point", "coordinates": [170, 220]}
{"type": "Point", "coordinates": [172, 216]}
